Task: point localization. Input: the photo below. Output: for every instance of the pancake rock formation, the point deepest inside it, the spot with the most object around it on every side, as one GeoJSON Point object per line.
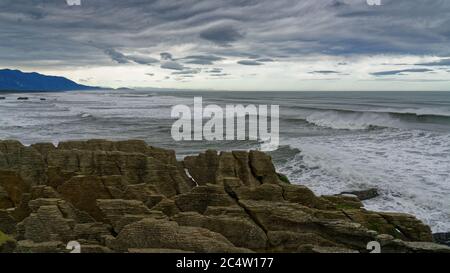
{"type": "Point", "coordinates": [127, 196]}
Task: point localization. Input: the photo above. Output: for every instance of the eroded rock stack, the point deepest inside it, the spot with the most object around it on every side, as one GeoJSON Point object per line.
{"type": "Point", "coordinates": [127, 196]}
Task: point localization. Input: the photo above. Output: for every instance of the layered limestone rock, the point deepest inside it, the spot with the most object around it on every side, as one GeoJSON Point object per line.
{"type": "Point", "coordinates": [25, 161]}
{"type": "Point", "coordinates": [7, 244]}
{"type": "Point", "coordinates": [12, 187]}
{"type": "Point", "coordinates": [154, 233]}
{"type": "Point", "coordinates": [119, 213]}
{"type": "Point", "coordinates": [127, 196]}
{"type": "Point", "coordinates": [136, 162]}
{"type": "Point", "coordinates": [251, 169]}
{"type": "Point", "coordinates": [238, 229]}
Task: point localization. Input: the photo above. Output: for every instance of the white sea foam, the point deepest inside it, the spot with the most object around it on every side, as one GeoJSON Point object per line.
{"type": "Point", "coordinates": [411, 167]}
{"type": "Point", "coordinates": [411, 170]}
{"type": "Point", "coordinates": [352, 121]}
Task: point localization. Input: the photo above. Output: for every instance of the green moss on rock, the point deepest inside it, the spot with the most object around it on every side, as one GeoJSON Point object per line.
{"type": "Point", "coordinates": [283, 178]}
{"type": "Point", "coordinates": [6, 243]}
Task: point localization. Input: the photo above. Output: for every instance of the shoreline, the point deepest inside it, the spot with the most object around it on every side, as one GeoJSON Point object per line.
{"type": "Point", "coordinates": [439, 233]}
{"type": "Point", "coordinates": [126, 196]}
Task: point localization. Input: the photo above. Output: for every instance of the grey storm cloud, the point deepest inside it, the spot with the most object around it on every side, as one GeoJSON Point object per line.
{"type": "Point", "coordinates": [117, 56]}
{"type": "Point", "coordinates": [265, 60]}
{"type": "Point", "coordinates": [166, 56]}
{"type": "Point", "coordinates": [222, 34]}
{"type": "Point", "coordinates": [202, 59]}
{"type": "Point", "coordinates": [249, 62]}
{"type": "Point", "coordinates": [187, 72]}
{"type": "Point", "coordinates": [443, 62]}
{"type": "Point", "coordinates": [51, 33]}
{"type": "Point", "coordinates": [142, 59]}
{"type": "Point", "coordinates": [401, 72]}
{"type": "Point", "coordinates": [219, 75]}
{"type": "Point", "coordinates": [215, 70]}
{"type": "Point", "coordinates": [324, 72]}
{"type": "Point", "coordinates": [123, 59]}
{"type": "Point", "coordinates": [171, 65]}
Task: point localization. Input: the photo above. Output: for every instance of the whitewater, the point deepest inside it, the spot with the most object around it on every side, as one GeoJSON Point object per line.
{"type": "Point", "coordinates": [397, 142]}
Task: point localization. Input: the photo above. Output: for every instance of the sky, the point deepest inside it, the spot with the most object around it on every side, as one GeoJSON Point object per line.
{"type": "Point", "coordinates": [244, 45]}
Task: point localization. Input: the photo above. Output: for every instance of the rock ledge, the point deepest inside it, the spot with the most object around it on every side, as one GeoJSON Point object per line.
{"type": "Point", "coordinates": [127, 196]}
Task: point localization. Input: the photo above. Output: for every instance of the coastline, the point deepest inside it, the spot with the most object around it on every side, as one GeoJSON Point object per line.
{"type": "Point", "coordinates": [126, 196]}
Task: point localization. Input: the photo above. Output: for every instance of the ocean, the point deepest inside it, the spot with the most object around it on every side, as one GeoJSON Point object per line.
{"type": "Point", "coordinates": [397, 142]}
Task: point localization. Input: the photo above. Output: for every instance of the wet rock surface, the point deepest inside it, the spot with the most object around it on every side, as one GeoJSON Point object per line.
{"type": "Point", "coordinates": [127, 196]}
{"type": "Point", "coordinates": [442, 238]}
{"type": "Point", "coordinates": [364, 194]}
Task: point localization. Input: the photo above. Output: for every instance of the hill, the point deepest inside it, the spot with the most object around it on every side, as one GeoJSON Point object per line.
{"type": "Point", "coordinates": [16, 80]}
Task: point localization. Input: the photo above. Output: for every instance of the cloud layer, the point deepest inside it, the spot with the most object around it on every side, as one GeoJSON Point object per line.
{"type": "Point", "coordinates": [197, 35]}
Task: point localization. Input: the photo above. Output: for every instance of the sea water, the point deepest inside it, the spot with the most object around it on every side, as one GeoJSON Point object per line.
{"type": "Point", "coordinates": [397, 142]}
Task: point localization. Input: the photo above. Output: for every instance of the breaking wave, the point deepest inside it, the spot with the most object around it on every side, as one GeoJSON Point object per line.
{"type": "Point", "coordinates": [409, 168]}
{"type": "Point", "coordinates": [366, 120]}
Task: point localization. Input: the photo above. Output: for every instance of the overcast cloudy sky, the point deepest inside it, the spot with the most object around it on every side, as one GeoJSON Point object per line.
{"type": "Point", "coordinates": [232, 44]}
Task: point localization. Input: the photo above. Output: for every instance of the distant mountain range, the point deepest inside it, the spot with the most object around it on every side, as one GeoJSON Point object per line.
{"type": "Point", "coordinates": [16, 80]}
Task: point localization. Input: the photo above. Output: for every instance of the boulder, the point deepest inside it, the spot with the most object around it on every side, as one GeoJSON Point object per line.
{"type": "Point", "coordinates": [364, 194]}
{"type": "Point", "coordinates": [45, 225]}
{"type": "Point", "coordinates": [241, 231]}
{"type": "Point", "coordinates": [264, 192]}
{"type": "Point", "coordinates": [153, 233]}
{"type": "Point", "coordinates": [36, 192]}
{"type": "Point", "coordinates": [119, 213]}
{"type": "Point", "coordinates": [203, 196]}
{"type": "Point", "coordinates": [304, 196]}
{"type": "Point", "coordinates": [44, 149]}
{"type": "Point", "coordinates": [140, 192]}
{"type": "Point", "coordinates": [154, 199]}
{"type": "Point", "coordinates": [263, 168]}
{"type": "Point", "coordinates": [43, 191]}
{"type": "Point", "coordinates": [66, 208]}
{"type": "Point", "coordinates": [279, 216]}
{"type": "Point", "coordinates": [92, 231]}
{"type": "Point", "coordinates": [349, 234]}
{"type": "Point", "coordinates": [344, 202]}
{"type": "Point", "coordinates": [243, 168]}
{"type": "Point", "coordinates": [51, 219]}
{"type": "Point", "coordinates": [374, 221]}
{"type": "Point", "coordinates": [203, 168]}
{"type": "Point", "coordinates": [166, 206]}
{"type": "Point", "coordinates": [412, 228]}
{"type": "Point", "coordinates": [83, 192]}
{"type": "Point", "coordinates": [251, 169]}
